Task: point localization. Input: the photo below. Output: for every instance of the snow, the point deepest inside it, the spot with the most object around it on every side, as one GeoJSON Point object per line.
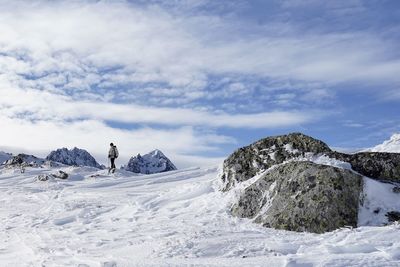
{"type": "Point", "coordinates": [379, 199]}
{"type": "Point", "coordinates": [289, 148]}
{"type": "Point", "coordinates": [391, 145]}
{"type": "Point", "coordinates": [4, 157]}
{"type": "Point", "coordinates": [177, 218]}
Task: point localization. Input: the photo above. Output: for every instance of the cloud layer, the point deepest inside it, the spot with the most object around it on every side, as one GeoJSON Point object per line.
{"type": "Point", "coordinates": [174, 76]}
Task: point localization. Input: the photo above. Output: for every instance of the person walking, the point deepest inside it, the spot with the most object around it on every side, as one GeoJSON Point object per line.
{"type": "Point", "coordinates": [112, 155]}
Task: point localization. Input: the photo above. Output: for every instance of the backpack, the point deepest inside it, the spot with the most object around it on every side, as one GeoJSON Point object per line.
{"type": "Point", "coordinates": [116, 152]}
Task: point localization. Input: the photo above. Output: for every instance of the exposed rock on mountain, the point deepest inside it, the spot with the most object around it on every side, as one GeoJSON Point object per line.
{"type": "Point", "coordinates": [25, 160]}
{"type": "Point", "coordinates": [73, 157]}
{"type": "Point", "coordinates": [153, 162]}
{"type": "Point", "coordinates": [302, 196]}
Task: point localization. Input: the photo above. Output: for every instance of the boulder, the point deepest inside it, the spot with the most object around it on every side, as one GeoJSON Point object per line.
{"type": "Point", "coordinates": [302, 196]}
{"type": "Point", "coordinates": [246, 162]}
{"type": "Point", "coordinates": [60, 175]}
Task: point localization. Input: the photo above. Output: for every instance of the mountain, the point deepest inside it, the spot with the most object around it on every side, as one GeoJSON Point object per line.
{"type": "Point", "coordinates": [73, 157]}
{"type": "Point", "coordinates": [153, 162]}
{"type": "Point", "coordinates": [4, 156]}
{"type": "Point", "coordinates": [26, 159]}
{"type": "Point", "coordinates": [391, 145]}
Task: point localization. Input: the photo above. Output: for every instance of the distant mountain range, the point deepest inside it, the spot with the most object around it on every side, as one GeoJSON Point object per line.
{"type": "Point", "coordinates": [153, 162]}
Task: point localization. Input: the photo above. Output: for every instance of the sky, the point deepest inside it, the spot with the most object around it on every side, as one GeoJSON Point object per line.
{"type": "Point", "coordinates": [196, 79]}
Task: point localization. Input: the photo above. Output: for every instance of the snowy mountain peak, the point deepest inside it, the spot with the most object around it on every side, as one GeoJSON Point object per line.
{"type": "Point", "coordinates": [73, 157]}
{"type": "Point", "coordinates": [152, 162]}
{"type": "Point", "coordinates": [391, 145]}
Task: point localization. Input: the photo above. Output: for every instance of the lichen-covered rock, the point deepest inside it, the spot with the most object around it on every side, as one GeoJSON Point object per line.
{"type": "Point", "coordinates": [302, 196]}
{"type": "Point", "coordinates": [246, 162]}
{"type": "Point", "coordinates": [376, 165]}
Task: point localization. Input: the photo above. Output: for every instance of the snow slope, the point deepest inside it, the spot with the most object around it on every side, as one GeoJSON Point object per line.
{"type": "Point", "coordinates": [175, 218]}
{"type": "Point", "coordinates": [391, 145]}
{"type": "Point", "coordinates": [4, 157]}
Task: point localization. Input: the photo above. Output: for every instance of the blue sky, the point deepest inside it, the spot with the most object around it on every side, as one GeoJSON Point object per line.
{"type": "Point", "coordinates": [196, 79]}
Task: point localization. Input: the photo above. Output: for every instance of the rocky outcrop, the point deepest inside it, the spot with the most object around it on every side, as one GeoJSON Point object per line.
{"type": "Point", "coordinates": [153, 162]}
{"type": "Point", "coordinates": [290, 192]}
{"type": "Point", "coordinates": [302, 196]}
{"type": "Point", "coordinates": [246, 162]}
{"type": "Point", "coordinates": [376, 165]}
{"type": "Point", "coordinates": [73, 157]}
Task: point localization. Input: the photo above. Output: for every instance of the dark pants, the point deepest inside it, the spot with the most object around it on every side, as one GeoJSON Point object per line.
{"type": "Point", "coordinates": [112, 163]}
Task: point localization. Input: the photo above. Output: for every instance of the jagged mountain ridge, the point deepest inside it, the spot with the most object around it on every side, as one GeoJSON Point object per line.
{"type": "Point", "coordinates": [73, 157]}
{"type": "Point", "coordinates": [152, 162]}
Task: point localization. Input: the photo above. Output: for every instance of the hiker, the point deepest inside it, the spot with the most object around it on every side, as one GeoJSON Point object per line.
{"type": "Point", "coordinates": [112, 155]}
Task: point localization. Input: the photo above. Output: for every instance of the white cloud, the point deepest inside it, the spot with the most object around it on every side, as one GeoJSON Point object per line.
{"type": "Point", "coordinates": [66, 67]}
{"type": "Point", "coordinates": [43, 136]}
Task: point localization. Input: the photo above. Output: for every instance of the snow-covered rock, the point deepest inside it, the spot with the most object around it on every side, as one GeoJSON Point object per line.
{"type": "Point", "coordinates": [73, 157]}
{"type": "Point", "coordinates": [153, 162]}
{"type": "Point", "coordinates": [272, 177]}
{"type": "Point", "coordinates": [4, 157]}
{"type": "Point", "coordinates": [24, 159]}
{"type": "Point", "coordinates": [392, 145]}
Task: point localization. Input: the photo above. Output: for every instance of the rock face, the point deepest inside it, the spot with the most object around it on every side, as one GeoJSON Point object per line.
{"type": "Point", "coordinates": [380, 166]}
{"type": "Point", "coordinates": [302, 196]}
{"type": "Point", "coordinates": [73, 157]}
{"type": "Point", "coordinates": [292, 193]}
{"type": "Point", "coordinates": [246, 162]}
{"type": "Point", "coordinates": [153, 162]}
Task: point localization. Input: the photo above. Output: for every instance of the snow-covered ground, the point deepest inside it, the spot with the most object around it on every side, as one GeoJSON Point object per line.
{"type": "Point", "coordinates": [177, 218]}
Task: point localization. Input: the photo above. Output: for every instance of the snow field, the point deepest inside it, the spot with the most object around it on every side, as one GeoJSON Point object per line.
{"type": "Point", "coordinates": [177, 218]}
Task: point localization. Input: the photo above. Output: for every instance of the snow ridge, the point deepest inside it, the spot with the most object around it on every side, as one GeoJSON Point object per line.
{"type": "Point", "coordinates": [392, 145]}
{"type": "Point", "coordinates": [73, 157]}
{"type": "Point", "coordinates": [153, 162]}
